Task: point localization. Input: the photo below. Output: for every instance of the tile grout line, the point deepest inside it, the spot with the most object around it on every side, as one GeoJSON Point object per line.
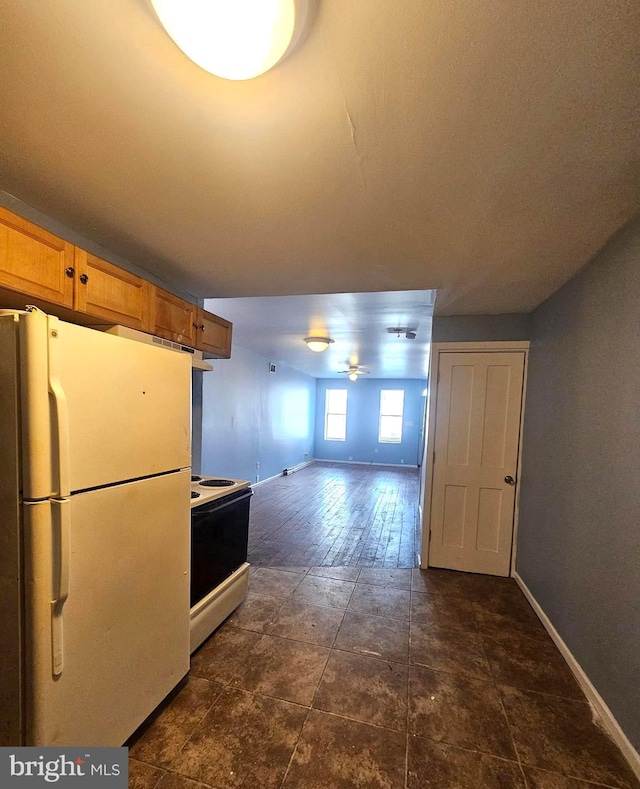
{"type": "Point", "coordinates": [330, 651]}
{"type": "Point", "coordinates": [497, 689]}
{"type": "Point", "coordinates": [406, 765]}
{"type": "Point", "coordinates": [207, 711]}
{"type": "Point", "coordinates": [406, 750]}
{"type": "Point", "coordinates": [295, 748]}
{"type": "Point", "coordinates": [188, 740]}
{"type": "Point", "coordinates": [359, 721]}
{"type": "Point", "coordinates": [406, 740]}
{"type": "Point", "coordinates": [506, 717]}
{"type": "Point", "coordinates": [160, 777]}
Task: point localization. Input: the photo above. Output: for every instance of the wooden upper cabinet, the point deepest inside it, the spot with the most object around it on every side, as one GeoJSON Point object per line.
{"type": "Point", "coordinates": [173, 318]}
{"type": "Point", "coordinates": [38, 267]}
{"type": "Point", "coordinates": [34, 261]}
{"type": "Point", "coordinates": [213, 334]}
{"type": "Point", "coordinates": [110, 292]}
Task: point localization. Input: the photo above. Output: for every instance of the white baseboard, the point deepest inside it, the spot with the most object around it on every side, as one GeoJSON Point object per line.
{"type": "Point", "coordinates": [366, 463]}
{"type": "Point", "coordinates": [291, 469]}
{"type": "Point", "coordinates": [266, 479]}
{"type": "Point", "coordinates": [281, 474]}
{"type": "Point", "coordinates": [602, 711]}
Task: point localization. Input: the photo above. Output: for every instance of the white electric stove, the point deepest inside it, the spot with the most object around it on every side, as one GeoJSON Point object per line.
{"type": "Point", "coordinates": [219, 542]}
{"type": "Point", "coordinates": [204, 489]}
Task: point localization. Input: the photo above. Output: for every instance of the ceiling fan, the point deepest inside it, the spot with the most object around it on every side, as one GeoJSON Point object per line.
{"type": "Point", "coordinates": [354, 371]}
{"type": "Point", "coordinates": [408, 331]}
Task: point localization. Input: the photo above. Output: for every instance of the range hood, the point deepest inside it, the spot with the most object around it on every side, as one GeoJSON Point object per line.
{"type": "Point", "coordinates": [197, 358]}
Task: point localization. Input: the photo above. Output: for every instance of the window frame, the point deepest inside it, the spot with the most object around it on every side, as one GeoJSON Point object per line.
{"type": "Point", "coordinates": [328, 413]}
{"type": "Point", "coordinates": [400, 416]}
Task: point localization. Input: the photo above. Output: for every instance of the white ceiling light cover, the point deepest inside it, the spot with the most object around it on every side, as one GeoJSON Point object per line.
{"type": "Point", "coordinates": [234, 39]}
{"type": "Point", "coordinates": [318, 344]}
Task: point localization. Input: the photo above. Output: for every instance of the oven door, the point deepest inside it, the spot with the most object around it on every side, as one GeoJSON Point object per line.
{"type": "Point", "coordinates": [219, 539]}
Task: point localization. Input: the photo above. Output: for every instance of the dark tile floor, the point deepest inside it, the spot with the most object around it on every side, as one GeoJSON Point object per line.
{"type": "Point", "coordinates": [364, 678]}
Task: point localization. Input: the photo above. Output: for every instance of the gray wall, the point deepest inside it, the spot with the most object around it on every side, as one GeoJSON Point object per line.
{"type": "Point", "coordinates": [579, 526]}
{"type": "Point", "coordinates": [481, 328]}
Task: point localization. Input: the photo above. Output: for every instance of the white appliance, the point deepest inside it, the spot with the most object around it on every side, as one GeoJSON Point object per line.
{"type": "Point", "coordinates": [94, 538]}
{"type": "Point", "coordinates": [207, 488]}
{"type": "Point", "coordinates": [219, 543]}
{"type": "Point", "coordinates": [196, 356]}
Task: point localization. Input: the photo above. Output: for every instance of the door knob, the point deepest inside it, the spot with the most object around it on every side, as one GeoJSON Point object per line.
{"type": "Point", "coordinates": [509, 480]}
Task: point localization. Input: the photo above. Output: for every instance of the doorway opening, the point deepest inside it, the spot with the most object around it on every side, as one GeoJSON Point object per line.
{"type": "Point", "coordinates": [263, 412]}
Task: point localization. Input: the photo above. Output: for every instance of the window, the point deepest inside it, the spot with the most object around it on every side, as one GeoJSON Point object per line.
{"type": "Point", "coordinates": [391, 410]}
{"type": "Point", "coordinates": [335, 415]}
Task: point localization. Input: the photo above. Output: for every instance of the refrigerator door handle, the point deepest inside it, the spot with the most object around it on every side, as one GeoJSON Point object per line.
{"type": "Point", "coordinates": [60, 412]}
{"type": "Point", "coordinates": [60, 521]}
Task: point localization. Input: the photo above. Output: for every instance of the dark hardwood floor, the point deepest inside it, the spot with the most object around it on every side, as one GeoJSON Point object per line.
{"type": "Point", "coordinates": [336, 514]}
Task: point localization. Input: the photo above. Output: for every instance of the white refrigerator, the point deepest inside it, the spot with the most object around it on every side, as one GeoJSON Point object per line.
{"type": "Point", "coordinates": [94, 531]}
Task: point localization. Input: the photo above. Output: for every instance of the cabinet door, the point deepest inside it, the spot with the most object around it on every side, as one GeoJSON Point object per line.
{"type": "Point", "coordinates": [109, 292]}
{"type": "Point", "coordinates": [34, 261]}
{"type": "Point", "coordinates": [174, 318]}
{"type": "Point", "coordinates": [213, 334]}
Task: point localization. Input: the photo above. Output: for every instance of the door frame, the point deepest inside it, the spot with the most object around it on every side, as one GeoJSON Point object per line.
{"type": "Point", "coordinates": [432, 408]}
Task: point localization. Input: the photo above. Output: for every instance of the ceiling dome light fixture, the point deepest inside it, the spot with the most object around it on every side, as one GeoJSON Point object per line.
{"type": "Point", "coordinates": [233, 39]}
{"type": "Point", "coordinates": [318, 344]}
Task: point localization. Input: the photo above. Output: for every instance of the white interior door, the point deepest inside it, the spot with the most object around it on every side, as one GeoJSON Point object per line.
{"type": "Point", "coordinates": [477, 432]}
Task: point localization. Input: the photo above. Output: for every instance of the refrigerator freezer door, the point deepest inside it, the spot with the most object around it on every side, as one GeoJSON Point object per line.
{"type": "Point", "coordinates": [120, 410]}
{"type": "Point", "coordinates": [125, 622]}
{"type": "Point", "coordinates": [128, 406]}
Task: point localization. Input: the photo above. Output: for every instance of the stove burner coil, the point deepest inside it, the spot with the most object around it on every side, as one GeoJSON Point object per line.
{"type": "Point", "coordinates": [216, 483]}
{"type": "Point", "coordinates": [195, 478]}
{"type": "Point", "coordinates": [195, 494]}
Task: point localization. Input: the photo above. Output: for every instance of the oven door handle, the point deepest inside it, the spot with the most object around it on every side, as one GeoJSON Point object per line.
{"type": "Point", "coordinates": [215, 506]}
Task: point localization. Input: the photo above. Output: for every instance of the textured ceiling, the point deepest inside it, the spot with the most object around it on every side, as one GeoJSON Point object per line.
{"type": "Point", "coordinates": [484, 148]}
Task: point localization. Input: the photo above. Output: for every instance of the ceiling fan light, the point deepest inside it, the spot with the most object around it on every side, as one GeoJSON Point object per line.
{"type": "Point", "coordinates": [353, 376]}
{"type": "Point", "coordinates": [233, 39]}
{"type": "Point", "coordinates": [318, 344]}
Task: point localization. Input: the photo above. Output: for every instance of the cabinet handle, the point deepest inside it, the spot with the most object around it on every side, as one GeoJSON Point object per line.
{"type": "Point", "coordinates": [202, 326]}
{"type": "Point", "coordinates": [195, 325]}
{"type": "Point", "coordinates": [69, 271]}
{"type": "Point", "coordinates": [84, 278]}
